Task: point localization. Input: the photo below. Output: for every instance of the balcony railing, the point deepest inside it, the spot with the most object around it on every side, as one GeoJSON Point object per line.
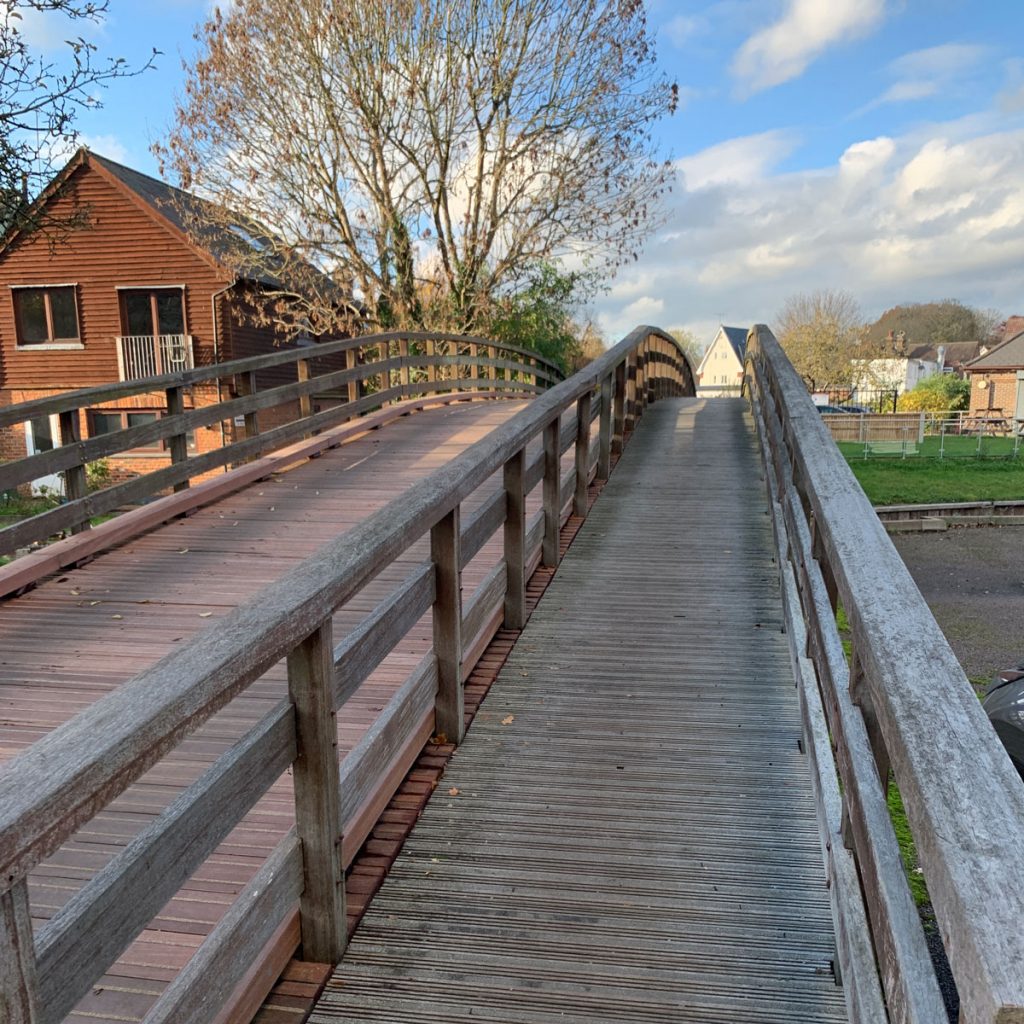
{"type": "Point", "coordinates": [143, 355]}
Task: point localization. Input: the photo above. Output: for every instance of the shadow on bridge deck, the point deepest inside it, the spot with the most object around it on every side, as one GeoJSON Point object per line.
{"type": "Point", "coordinates": [627, 832]}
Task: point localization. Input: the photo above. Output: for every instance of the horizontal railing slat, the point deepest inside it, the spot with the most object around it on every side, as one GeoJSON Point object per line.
{"type": "Point", "coordinates": [366, 762]}
{"type": "Point", "coordinates": [376, 636]}
{"type": "Point", "coordinates": [84, 397]}
{"type": "Point", "coordinates": [102, 919]}
{"type": "Point", "coordinates": [210, 976]}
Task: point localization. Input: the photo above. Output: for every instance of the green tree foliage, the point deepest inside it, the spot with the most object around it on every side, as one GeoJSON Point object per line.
{"type": "Point", "coordinates": [540, 316]}
{"type": "Point", "coordinates": [936, 393]}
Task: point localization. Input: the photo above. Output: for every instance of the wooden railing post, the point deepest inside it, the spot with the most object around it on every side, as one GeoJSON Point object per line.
{"type": "Point", "coordinates": [552, 494]}
{"type": "Point", "coordinates": [492, 370]}
{"type": "Point", "coordinates": [431, 354]}
{"type": "Point", "coordinates": [302, 368]}
{"type": "Point", "coordinates": [18, 985]}
{"type": "Point", "coordinates": [315, 779]}
{"type": "Point", "coordinates": [619, 408]}
{"type": "Point", "coordinates": [403, 374]}
{"type": "Point", "coordinates": [76, 484]}
{"type": "Point", "coordinates": [178, 443]}
{"type": "Point", "coordinates": [351, 362]}
{"type": "Point", "coordinates": [245, 385]}
{"type": "Point", "coordinates": [579, 500]}
{"type": "Point", "coordinates": [515, 540]}
{"type": "Point", "coordinates": [604, 450]}
{"type": "Point", "coordinates": [447, 616]}
{"type": "Point", "coordinates": [629, 421]}
{"type": "Point", "coordinates": [474, 354]}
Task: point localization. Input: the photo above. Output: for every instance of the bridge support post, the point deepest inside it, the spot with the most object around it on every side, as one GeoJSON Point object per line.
{"type": "Point", "coordinates": [492, 370]}
{"type": "Point", "coordinates": [445, 554]}
{"type": "Point", "coordinates": [515, 540]}
{"type": "Point", "coordinates": [604, 457]}
{"type": "Point", "coordinates": [579, 500]}
{"type": "Point", "coordinates": [552, 493]}
{"type": "Point", "coordinates": [315, 778]}
{"type": "Point", "coordinates": [619, 408]}
{"type": "Point", "coordinates": [431, 355]}
{"type": "Point", "coordinates": [18, 986]}
{"type": "Point", "coordinates": [178, 443]}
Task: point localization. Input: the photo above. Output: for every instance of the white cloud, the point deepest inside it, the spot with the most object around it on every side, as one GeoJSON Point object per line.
{"type": "Point", "coordinates": [935, 214]}
{"type": "Point", "coordinates": [741, 161]}
{"type": "Point", "coordinates": [926, 73]}
{"type": "Point", "coordinates": [807, 28]}
{"type": "Point", "coordinates": [681, 29]}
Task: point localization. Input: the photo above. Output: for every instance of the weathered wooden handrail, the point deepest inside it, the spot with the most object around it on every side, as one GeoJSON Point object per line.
{"type": "Point", "coordinates": [72, 773]}
{"type": "Point", "coordinates": [900, 706]}
{"type": "Point", "coordinates": [366, 359]}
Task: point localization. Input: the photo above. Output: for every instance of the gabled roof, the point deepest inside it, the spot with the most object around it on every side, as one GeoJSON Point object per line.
{"type": "Point", "coordinates": [954, 352]}
{"type": "Point", "coordinates": [1009, 355]}
{"type": "Point", "coordinates": [237, 248]}
{"type": "Point", "coordinates": [737, 338]}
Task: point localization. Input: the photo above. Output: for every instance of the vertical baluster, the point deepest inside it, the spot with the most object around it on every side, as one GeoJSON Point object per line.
{"type": "Point", "coordinates": [604, 456]}
{"type": "Point", "coordinates": [352, 363]}
{"type": "Point", "coordinates": [305, 401]}
{"type": "Point", "coordinates": [492, 370]}
{"type": "Point", "coordinates": [629, 422]}
{"type": "Point", "coordinates": [432, 365]}
{"type": "Point", "coordinates": [177, 443]}
{"type": "Point", "coordinates": [18, 985]}
{"type": "Point", "coordinates": [75, 482]}
{"type": "Point", "coordinates": [447, 616]}
{"type": "Point", "coordinates": [579, 500]}
{"type": "Point", "coordinates": [515, 540]}
{"type": "Point", "coordinates": [552, 496]}
{"type": "Point", "coordinates": [474, 368]}
{"type": "Point", "coordinates": [245, 385]}
{"type": "Point", "coordinates": [315, 780]}
{"type": "Point", "coordinates": [403, 373]}
{"type": "Point", "coordinates": [619, 409]}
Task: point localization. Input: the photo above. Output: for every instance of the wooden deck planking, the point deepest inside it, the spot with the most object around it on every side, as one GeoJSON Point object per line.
{"type": "Point", "coordinates": [628, 831]}
{"type": "Point", "coordinates": [83, 632]}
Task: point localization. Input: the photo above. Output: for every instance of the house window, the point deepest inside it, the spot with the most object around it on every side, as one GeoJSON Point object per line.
{"type": "Point", "coordinates": [107, 421]}
{"type": "Point", "coordinates": [152, 312]}
{"type": "Point", "coordinates": [46, 315]}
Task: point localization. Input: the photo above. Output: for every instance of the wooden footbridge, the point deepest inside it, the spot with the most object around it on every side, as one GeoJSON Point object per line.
{"type": "Point", "coordinates": [224, 710]}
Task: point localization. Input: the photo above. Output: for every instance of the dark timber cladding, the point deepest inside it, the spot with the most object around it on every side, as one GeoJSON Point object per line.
{"type": "Point", "coordinates": [627, 832]}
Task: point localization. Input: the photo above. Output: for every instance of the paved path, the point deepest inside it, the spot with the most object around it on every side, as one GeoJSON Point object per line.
{"type": "Point", "coordinates": [627, 833]}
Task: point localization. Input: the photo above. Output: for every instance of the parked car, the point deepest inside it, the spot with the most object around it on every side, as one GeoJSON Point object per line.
{"type": "Point", "coordinates": [1004, 705]}
{"type": "Point", "coordinates": [834, 408]}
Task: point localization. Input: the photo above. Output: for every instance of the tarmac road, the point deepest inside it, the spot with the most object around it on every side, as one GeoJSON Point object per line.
{"type": "Point", "coordinates": [973, 580]}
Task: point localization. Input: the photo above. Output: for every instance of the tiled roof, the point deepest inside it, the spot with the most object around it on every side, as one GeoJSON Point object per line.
{"type": "Point", "coordinates": [1008, 355]}
{"type": "Point", "coordinates": [737, 338]}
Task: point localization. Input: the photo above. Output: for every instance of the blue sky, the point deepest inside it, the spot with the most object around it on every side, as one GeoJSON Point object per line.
{"type": "Point", "coordinates": [871, 145]}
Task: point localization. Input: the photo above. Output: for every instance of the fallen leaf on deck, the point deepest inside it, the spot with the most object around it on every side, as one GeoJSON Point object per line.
{"type": "Point", "coordinates": [205, 615]}
{"type": "Point", "coordinates": [509, 720]}
{"type": "Point", "coordinates": [183, 551]}
{"type": "Point", "coordinates": [117, 616]}
{"type": "Point", "coordinates": [453, 791]}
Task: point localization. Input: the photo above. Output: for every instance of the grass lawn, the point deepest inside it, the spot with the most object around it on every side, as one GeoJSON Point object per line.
{"type": "Point", "coordinates": [920, 479]}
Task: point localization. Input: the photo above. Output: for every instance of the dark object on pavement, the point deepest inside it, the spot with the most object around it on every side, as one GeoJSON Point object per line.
{"type": "Point", "coordinates": [1004, 705]}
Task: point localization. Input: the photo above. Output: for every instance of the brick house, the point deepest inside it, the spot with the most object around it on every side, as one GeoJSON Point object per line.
{"type": "Point", "coordinates": [997, 380]}
{"type": "Point", "coordinates": [127, 296]}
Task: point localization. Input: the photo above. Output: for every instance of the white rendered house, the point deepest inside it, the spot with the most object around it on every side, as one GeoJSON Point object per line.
{"type": "Point", "coordinates": [720, 373]}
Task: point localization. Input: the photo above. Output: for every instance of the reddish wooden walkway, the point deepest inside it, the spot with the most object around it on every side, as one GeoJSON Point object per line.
{"type": "Point", "coordinates": [80, 634]}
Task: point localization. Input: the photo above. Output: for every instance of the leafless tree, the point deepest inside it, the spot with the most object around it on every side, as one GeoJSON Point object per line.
{"type": "Point", "coordinates": [428, 155]}
{"type": "Point", "coordinates": [821, 332]}
{"type": "Point", "coordinates": [40, 99]}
